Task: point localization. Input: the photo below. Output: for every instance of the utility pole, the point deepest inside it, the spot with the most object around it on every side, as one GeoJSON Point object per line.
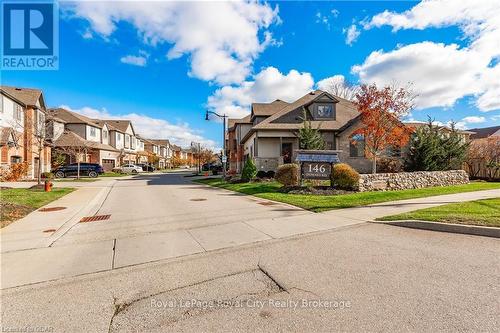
{"type": "Point", "coordinates": [223, 155]}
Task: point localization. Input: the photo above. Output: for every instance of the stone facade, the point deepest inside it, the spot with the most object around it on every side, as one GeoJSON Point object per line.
{"type": "Point", "coordinates": [410, 180]}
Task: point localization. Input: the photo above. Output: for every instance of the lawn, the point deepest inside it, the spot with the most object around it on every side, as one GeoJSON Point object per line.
{"type": "Point", "coordinates": [113, 174]}
{"type": "Point", "coordinates": [319, 203]}
{"type": "Point", "coordinates": [481, 212]}
{"type": "Point", "coordinates": [16, 203]}
{"type": "Point", "coordinates": [82, 180]}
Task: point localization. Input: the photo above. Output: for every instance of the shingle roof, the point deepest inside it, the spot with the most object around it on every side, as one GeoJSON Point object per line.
{"type": "Point", "coordinates": [268, 109]}
{"type": "Point", "coordinates": [233, 121]}
{"type": "Point", "coordinates": [484, 132]}
{"type": "Point", "coordinates": [71, 117]}
{"type": "Point", "coordinates": [160, 142]}
{"type": "Point", "coordinates": [70, 139]}
{"type": "Point", "coordinates": [26, 96]}
{"type": "Point", "coordinates": [345, 111]}
{"type": "Point", "coordinates": [120, 125]}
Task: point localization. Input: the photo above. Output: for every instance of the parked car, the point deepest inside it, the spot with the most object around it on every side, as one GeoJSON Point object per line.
{"type": "Point", "coordinates": [86, 169]}
{"type": "Point", "coordinates": [146, 167]}
{"type": "Point", "coordinates": [212, 167]}
{"type": "Point", "coordinates": [129, 168]}
{"type": "Point", "coordinates": [185, 166]}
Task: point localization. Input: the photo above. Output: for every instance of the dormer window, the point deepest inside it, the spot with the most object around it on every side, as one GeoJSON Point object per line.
{"type": "Point", "coordinates": [324, 110]}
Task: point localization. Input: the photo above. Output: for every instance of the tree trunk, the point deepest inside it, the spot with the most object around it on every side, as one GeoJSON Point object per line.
{"type": "Point", "coordinates": [39, 172]}
{"type": "Point", "coordinates": [374, 165]}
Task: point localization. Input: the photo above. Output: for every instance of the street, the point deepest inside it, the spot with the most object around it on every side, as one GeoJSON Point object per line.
{"type": "Point", "coordinates": [186, 257]}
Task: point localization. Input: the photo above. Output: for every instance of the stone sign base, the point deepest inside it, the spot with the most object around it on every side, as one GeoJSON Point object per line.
{"type": "Point", "coordinates": [410, 180]}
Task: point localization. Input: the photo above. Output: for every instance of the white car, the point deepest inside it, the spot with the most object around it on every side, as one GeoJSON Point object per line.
{"type": "Point", "coordinates": [131, 168]}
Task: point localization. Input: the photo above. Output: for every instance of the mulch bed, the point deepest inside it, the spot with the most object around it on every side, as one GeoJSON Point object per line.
{"type": "Point", "coordinates": [9, 212]}
{"type": "Point", "coordinates": [314, 190]}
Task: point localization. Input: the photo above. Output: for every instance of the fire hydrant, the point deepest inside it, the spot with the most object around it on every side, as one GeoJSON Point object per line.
{"type": "Point", "coordinates": [48, 186]}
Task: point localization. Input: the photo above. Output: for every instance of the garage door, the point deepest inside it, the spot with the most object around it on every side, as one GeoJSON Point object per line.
{"type": "Point", "coordinates": [108, 164]}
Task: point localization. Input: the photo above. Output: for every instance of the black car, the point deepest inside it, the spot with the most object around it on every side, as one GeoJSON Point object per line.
{"type": "Point", "coordinates": [212, 167]}
{"type": "Point", "coordinates": [86, 169]}
{"type": "Point", "coordinates": [146, 167]}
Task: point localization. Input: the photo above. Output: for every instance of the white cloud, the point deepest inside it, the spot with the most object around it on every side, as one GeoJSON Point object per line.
{"type": "Point", "coordinates": [222, 39]}
{"type": "Point", "coordinates": [474, 120]}
{"type": "Point", "coordinates": [335, 12]}
{"type": "Point", "coordinates": [442, 73]}
{"type": "Point", "coordinates": [135, 60]}
{"type": "Point", "coordinates": [153, 128]}
{"type": "Point", "coordinates": [351, 34]}
{"type": "Point", "coordinates": [266, 86]}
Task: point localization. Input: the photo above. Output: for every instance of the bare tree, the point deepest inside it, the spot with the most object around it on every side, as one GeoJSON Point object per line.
{"type": "Point", "coordinates": [74, 146]}
{"type": "Point", "coordinates": [342, 88]}
{"type": "Point", "coordinates": [31, 128]}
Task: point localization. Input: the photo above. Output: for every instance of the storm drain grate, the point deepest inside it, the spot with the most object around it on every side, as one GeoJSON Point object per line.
{"type": "Point", "coordinates": [95, 218]}
{"type": "Point", "coordinates": [198, 199]}
{"type": "Point", "coordinates": [267, 203]}
{"type": "Point", "coordinates": [51, 209]}
{"type": "Point", "coordinates": [50, 230]}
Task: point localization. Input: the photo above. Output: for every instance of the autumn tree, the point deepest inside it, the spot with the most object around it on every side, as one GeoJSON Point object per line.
{"type": "Point", "coordinates": [484, 154]}
{"type": "Point", "coordinates": [380, 112]}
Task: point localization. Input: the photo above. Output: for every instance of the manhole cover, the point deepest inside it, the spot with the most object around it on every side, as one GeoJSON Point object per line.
{"type": "Point", "coordinates": [267, 203]}
{"type": "Point", "coordinates": [50, 230]}
{"type": "Point", "coordinates": [198, 199]}
{"type": "Point", "coordinates": [95, 218]}
{"type": "Point", "coordinates": [51, 209]}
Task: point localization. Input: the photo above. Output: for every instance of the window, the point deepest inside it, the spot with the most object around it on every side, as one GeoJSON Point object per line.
{"type": "Point", "coordinates": [15, 159]}
{"type": "Point", "coordinates": [18, 112]}
{"type": "Point", "coordinates": [105, 135]}
{"type": "Point", "coordinates": [357, 145]}
{"type": "Point", "coordinates": [324, 111]}
{"type": "Point", "coordinates": [92, 132]}
{"type": "Point", "coordinates": [118, 137]}
{"type": "Point", "coordinates": [127, 141]}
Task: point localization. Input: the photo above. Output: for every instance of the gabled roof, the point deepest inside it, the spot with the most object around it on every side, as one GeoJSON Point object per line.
{"type": "Point", "coordinates": [268, 109]}
{"type": "Point", "coordinates": [345, 111]}
{"type": "Point", "coordinates": [233, 121]}
{"type": "Point", "coordinates": [71, 117]}
{"type": "Point", "coordinates": [119, 125]}
{"type": "Point", "coordinates": [160, 142]}
{"type": "Point", "coordinates": [484, 132]}
{"type": "Point", "coordinates": [25, 96]}
{"type": "Point", "coordinates": [70, 139]}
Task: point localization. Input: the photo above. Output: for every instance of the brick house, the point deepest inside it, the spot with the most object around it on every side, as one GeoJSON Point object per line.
{"type": "Point", "coordinates": [81, 131]}
{"type": "Point", "coordinates": [22, 128]}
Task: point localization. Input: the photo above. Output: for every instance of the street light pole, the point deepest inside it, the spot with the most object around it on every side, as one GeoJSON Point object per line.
{"type": "Point", "coordinates": [223, 155]}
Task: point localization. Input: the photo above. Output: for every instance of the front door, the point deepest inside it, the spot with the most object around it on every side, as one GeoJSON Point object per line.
{"type": "Point", "coordinates": [286, 152]}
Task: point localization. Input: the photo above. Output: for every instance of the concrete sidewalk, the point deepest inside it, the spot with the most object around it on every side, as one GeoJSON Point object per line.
{"type": "Point", "coordinates": [40, 229]}
{"type": "Point", "coordinates": [37, 265]}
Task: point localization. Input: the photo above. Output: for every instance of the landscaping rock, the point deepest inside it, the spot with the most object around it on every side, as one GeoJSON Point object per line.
{"type": "Point", "coordinates": [411, 180]}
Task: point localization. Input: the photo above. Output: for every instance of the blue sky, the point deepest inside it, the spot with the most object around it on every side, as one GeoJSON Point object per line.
{"type": "Point", "coordinates": [164, 64]}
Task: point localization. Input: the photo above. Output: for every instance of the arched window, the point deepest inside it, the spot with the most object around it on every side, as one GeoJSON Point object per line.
{"type": "Point", "coordinates": [357, 145]}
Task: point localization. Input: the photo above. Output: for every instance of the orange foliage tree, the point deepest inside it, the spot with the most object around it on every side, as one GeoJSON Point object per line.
{"type": "Point", "coordinates": [381, 111]}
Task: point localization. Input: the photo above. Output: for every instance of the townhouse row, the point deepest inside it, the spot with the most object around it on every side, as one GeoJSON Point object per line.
{"type": "Point", "coordinates": [32, 133]}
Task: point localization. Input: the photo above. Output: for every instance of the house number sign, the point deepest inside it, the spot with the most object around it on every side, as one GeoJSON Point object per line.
{"type": "Point", "coordinates": [317, 164]}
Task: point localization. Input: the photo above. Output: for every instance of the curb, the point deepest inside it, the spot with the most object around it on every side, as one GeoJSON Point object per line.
{"type": "Point", "coordinates": [446, 227]}
{"type": "Point", "coordinates": [88, 210]}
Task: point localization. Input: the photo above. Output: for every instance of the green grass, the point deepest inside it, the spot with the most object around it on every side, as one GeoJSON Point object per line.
{"type": "Point", "coordinates": [481, 212]}
{"type": "Point", "coordinates": [16, 203]}
{"type": "Point", "coordinates": [83, 180]}
{"type": "Point", "coordinates": [113, 174]}
{"type": "Point", "coordinates": [319, 203]}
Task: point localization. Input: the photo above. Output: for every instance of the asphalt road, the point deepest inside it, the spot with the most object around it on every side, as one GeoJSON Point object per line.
{"type": "Point", "coordinates": [363, 277]}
